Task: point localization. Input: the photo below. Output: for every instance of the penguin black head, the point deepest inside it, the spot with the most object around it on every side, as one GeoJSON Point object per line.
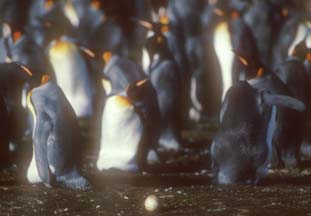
{"type": "Point", "coordinates": [255, 69]}
{"type": "Point", "coordinates": [136, 91]}
{"type": "Point", "coordinates": [229, 10]}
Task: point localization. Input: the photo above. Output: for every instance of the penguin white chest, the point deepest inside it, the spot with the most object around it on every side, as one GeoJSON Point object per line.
{"type": "Point", "coordinates": [223, 48]}
{"type": "Point", "coordinates": [72, 76]}
{"type": "Point", "coordinates": [122, 131]}
{"type": "Point", "coordinates": [301, 33]}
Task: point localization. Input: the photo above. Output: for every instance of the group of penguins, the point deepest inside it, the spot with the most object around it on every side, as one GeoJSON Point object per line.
{"type": "Point", "coordinates": [144, 70]}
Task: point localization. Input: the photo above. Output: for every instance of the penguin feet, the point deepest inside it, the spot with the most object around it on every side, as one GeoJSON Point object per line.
{"type": "Point", "coordinates": [75, 183]}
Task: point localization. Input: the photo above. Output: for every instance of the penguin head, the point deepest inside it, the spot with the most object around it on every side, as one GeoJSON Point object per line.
{"type": "Point", "coordinates": [228, 10]}
{"type": "Point", "coordinates": [156, 42]}
{"type": "Point", "coordinates": [137, 91]}
{"type": "Point", "coordinates": [254, 69]}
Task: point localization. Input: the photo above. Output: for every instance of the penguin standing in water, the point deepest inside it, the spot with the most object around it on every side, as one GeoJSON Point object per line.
{"type": "Point", "coordinates": [166, 79]}
{"type": "Point", "coordinates": [242, 148]}
{"type": "Point", "coordinates": [56, 139]}
{"type": "Point", "coordinates": [130, 128]}
{"type": "Point", "coordinates": [72, 75]}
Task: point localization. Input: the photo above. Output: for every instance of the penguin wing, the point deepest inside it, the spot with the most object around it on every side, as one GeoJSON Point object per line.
{"type": "Point", "coordinates": [41, 133]}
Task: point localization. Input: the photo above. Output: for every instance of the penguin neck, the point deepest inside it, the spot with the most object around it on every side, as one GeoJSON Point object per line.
{"type": "Point", "coordinates": [223, 49]}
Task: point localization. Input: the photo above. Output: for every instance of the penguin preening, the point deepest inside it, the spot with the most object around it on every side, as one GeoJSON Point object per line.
{"type": "Point", "coordinates": [55, 159]}
{"type": "Point", "coordinates": [72, 75]}
{"type": "Point", "coordinates": [129, 128]}
{"type": "Point", "coordinates": [242, 148]}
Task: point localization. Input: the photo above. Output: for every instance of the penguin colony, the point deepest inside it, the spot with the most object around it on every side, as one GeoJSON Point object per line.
{"type": "Point", "coordinates": [144, 70]}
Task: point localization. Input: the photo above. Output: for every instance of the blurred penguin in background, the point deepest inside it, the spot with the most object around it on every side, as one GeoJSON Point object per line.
{"type": "Point", "coordinates": [130, 128]}
{"type": "Point", "coordinates": [224, 31]}
{"type": "Point", "coordinates": [166, 79]}
{"type": "Point", "coordinates": [296, 26]}
{"type": "Point", "coordinates": [15, 80]}
{"type": "Point", "coordinates": [293, 74]}
{"type": "Point", "coordinates": [72, 75]}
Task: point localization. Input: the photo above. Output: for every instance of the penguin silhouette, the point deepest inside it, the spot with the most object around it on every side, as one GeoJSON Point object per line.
{"type": "Point", "coordinates": [130, 128]}
{"type": "Point", "coordinates": [242, 147]}
{"type": "Point", "coordinates": [4, 137]}
{"type": "Point", "coordinates": [56, 156]}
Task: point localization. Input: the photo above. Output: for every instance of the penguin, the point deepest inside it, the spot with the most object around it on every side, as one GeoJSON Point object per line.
{"type": "Point", "coordinates": [264, 23]}
{"type": "Point", "coordinates": [26, 52]}
{"type": "Point", "coordinates": [293, 74]}
{"type": "Point", "coordinates": [14, 78]}
{"type": "Point", "coordinates": [119, 72]}
{"type": "Point", "coordinates": [72, 75]}
{"type": "Point", "coordinates": [130, 128]}
{"type": "Point", "coordinates": [14, 13]}
{"type": "Point", "coordinates": [294, 29]}
{"type": "Point", "coordinates": [55, 159]}
{"type": "Point", "coordinates": [167, 81]}
{"type": "Point", "coordinates": [306, 145]}
{"type": "Point", "coordinates": [288, 126]}
{"type": "Point", "coordinates": [242, 147]}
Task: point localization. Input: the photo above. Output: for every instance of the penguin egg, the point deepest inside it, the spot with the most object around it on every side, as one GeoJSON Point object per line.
{"type": "Point", "coordinates": [151, 203]}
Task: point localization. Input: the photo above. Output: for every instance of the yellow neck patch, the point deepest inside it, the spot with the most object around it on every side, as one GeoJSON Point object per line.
{"type": "Point", "coordinates": [122, 101]}
{"type": "Point", "coordinates": [60, 47]}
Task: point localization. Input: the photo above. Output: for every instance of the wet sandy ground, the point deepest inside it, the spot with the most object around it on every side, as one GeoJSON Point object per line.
{"type": "Point", "coordinates": [191, 192]}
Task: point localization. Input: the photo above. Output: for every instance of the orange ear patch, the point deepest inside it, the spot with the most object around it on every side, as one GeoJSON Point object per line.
{"type": "Point", "coordinates": [45, 78]}
{"type": "Point", "coordinates": [16, 36]}
{"type": "Point", "coordinates": [164, 19]}
{"type": "Point", "coordinates": [284, 12]}
{"type": "Point", "coordinates": [308, 57]}
{"type": "Point", "coordinates": [235, 15]}
{"type": "Point", "coordinates": [107, 56]}
{"type": "Point", "coordinates": [95, 4]}
{"type": "Point", "coordinates": [164, 28]}
{"type": "Point", "coordinates": [48, 4]}
{"type": "Point", "coordinates": [260, 72]}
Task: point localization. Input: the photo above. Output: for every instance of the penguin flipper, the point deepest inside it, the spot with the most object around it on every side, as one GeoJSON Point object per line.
{"type": "Point", "coordinates": [41, 134]}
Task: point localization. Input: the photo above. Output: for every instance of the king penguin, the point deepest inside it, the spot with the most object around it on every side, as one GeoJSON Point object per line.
{"type": "Point", "coordinates": [55, 159]}
{"type": "Point", "coordinates": [130, 128]}
{"type": "Point", "coordinates": [72, 75]}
